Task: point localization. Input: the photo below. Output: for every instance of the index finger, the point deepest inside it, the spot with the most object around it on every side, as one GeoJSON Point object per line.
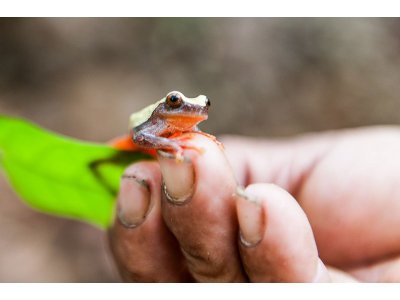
{"type": "Point", "coordinates": [199, 210]}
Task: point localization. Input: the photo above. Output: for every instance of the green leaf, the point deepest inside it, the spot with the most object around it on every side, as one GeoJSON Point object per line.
{"type": "Point", "coordinates": [60, 175]}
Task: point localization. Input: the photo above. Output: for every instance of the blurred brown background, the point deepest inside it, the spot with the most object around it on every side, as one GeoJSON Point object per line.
{"type": "Point", "coordinates": [265, 77]}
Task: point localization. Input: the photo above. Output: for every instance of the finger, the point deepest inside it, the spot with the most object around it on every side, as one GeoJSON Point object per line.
{"type": "Point", "coordinates": [285, 162]}
{"type": "Point", "coordinates": [144, 249]}
{"type": "Point", "coordinates": [337, 275]}
{"type": "Point", "coordinates": [342, 180]}
{"type": "Point", "coordinates": [384, 271]}
{"type": "Point", "coordinates": [198, 209]}
{"type": "Point", "coordinates": [277, 243]}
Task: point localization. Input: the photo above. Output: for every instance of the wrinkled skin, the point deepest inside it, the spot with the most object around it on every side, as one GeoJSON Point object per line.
{"type": "Point", "coordinates": [331, 214]}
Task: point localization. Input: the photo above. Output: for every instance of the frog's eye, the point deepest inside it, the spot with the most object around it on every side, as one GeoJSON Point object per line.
{"type": "Point", "coordinates": [174, 100]}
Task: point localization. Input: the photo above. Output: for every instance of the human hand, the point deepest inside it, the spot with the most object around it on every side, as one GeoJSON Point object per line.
{"type": "Point", "coordinates": [345, 183]}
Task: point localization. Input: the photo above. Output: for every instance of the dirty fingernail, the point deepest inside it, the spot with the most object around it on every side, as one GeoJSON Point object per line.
{"type": "Point", "coordinates": [251, 218]}
{"type": "Point", "coordinates": [178, 177]}
{"type": "Point", "coordinates": [133, 201]}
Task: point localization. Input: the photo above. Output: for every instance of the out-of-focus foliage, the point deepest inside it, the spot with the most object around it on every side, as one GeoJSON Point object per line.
{"type": "Point", "coordinates": [62, 176]}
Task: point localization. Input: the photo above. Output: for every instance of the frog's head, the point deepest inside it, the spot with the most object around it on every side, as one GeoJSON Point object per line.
{"type": "Point", "coordinates": [183, 112]}
{"type": "Point", "coordinates": [175, 109]}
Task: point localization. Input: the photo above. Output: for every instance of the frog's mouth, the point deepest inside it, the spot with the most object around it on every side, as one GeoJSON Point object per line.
{"type": "Point", "coordinates": [188, 113]}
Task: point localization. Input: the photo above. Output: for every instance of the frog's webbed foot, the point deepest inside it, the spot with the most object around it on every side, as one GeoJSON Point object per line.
{"type": "Point", "coordinates": [182, 141]}
{"type": "Point", "coordinates": [213, 138]}
{"type": "Point", "coordinates": [210, 136]}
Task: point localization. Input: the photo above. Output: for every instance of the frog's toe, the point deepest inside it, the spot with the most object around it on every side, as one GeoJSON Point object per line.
{"type": "Point", "coordinates": [179, 156]}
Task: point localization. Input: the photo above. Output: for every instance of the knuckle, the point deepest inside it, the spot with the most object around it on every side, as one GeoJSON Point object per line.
{"type": "Point", "coordinates": [205, 264]}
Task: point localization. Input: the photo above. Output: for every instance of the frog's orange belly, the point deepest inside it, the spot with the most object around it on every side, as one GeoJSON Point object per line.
{"type": "Point", "coordinates": [126, 143]}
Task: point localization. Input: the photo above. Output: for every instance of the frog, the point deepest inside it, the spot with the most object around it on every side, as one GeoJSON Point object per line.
{"type": "Point", "coordinates": [160, 126]}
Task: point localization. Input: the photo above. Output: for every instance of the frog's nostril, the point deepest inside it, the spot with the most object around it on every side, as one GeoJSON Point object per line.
{"type": "Point", "coordinates": [208, 102]}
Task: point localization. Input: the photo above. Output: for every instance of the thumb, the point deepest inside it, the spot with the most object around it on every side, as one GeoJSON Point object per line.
{"type": "Point", "coordinates": [276, 240]}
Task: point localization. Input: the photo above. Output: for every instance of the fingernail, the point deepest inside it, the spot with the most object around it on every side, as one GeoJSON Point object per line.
{"type": "Point", "coordinates": [133, 201]}
{"type": "Point", "coordinates": [178, 177]}
{"type": "Point", "coordinates": [251, 218]}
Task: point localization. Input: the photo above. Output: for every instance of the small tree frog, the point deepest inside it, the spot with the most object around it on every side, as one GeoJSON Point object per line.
{"type": "Point", "coordinates": [173, 115]}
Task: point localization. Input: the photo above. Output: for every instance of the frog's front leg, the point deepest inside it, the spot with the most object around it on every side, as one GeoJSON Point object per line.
{"type": "Point", "coordinates": [148, 140]}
